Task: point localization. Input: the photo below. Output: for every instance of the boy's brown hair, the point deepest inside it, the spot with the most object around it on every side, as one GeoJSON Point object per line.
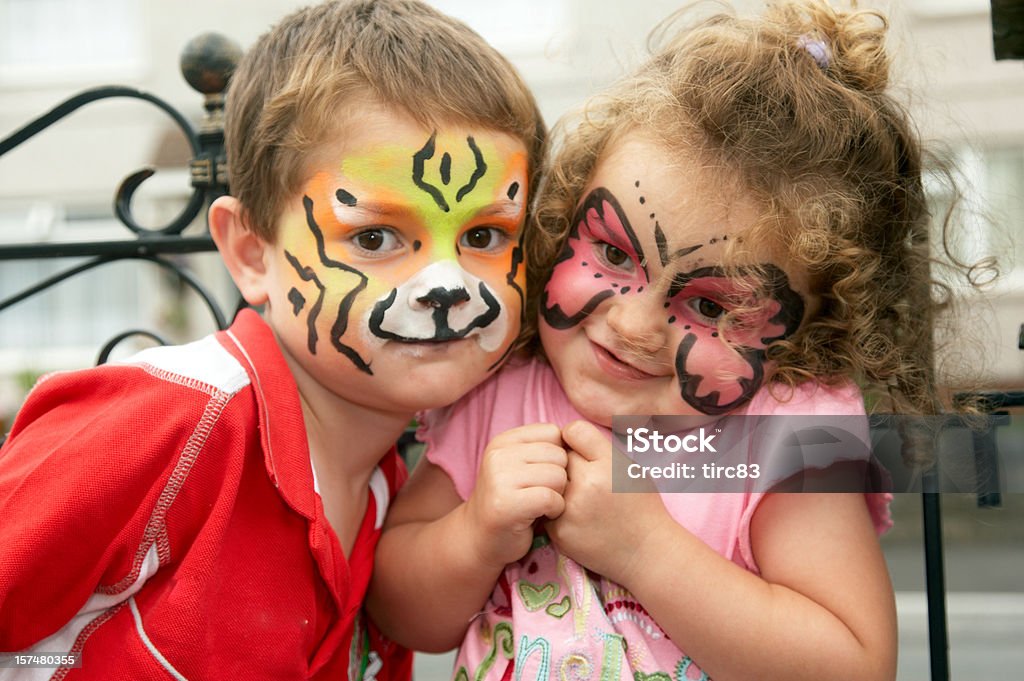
{"type": "Point", "coordinates": [303, 79]}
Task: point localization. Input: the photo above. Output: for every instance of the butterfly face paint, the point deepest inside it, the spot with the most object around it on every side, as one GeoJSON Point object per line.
{"type": "Point", "coordinates": [632, 311]}
{"type": "Point", "coordinates": [697, 299]}
{"type": "Point", "coordinates": [601, 258]}
{"type": "Point", "coordinates": [404, 247]}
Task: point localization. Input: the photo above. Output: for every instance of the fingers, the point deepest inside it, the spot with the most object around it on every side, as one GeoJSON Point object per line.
{"type": "Point", "coordinates": [534, 432]}
{"type": "Point", "coordinates": [574, 466]}
{"type": "Point", "coordinates": [548, 475]}
{"type": "Point", "coordinates": [543, 502]}
{"type": "Point", "coordinates": [586, 439]}
{"type": "Point", "coordinates": [525, 457]}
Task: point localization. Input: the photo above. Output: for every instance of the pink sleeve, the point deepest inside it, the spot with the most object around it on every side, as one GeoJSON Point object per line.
{"type": "Point", "coordinates": [840, 400]}
{"type": "Point", "coordinates": [878, 508]}
{"type": "Point", "coordinates": [456, 435]}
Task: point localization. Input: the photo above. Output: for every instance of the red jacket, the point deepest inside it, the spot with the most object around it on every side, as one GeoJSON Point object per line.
{"type": "Point", "coordinates": [159, 516]}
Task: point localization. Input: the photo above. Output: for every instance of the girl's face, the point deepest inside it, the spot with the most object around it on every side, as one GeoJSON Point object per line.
{"type": "Point", "coordinates": [630, 318]}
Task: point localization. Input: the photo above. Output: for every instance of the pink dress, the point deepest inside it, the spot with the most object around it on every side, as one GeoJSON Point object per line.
{"type": "Point", "coordinates": [550, 618]}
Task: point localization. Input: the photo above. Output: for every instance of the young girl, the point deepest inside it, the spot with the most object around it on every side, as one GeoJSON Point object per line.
{"type": "Point", "coordinates": [739, 228]}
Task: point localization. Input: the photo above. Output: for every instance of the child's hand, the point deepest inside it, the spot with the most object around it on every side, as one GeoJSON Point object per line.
{"type": "Point", "coordinates": [599, 528]}
{"type": "Point", "coordinates": [522, 477]}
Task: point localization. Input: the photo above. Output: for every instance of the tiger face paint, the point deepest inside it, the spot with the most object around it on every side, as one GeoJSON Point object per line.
{"type": "Point", "coordinates": [631, 313]}
{"type": "Point", "coordinates": [401, 257]}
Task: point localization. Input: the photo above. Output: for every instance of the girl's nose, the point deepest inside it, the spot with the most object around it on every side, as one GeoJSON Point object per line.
{"type": "Point", "coordinates": [639, 321]}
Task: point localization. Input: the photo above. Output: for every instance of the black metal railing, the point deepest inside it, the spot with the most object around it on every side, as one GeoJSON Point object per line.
{"type": "Point", "coordinates": [207, 64]}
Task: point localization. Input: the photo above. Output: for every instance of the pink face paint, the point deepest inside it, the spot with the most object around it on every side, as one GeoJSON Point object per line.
{"type": "Point", "coordinates": [582, 277]}
{"type": "Point", "coordinates": [716, 377]}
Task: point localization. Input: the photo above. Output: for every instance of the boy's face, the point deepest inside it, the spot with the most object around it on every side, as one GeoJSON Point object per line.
{"type": "Point", "coordinates": [632, 315]}
{"type": "Point", "coordinates": [397, 271]}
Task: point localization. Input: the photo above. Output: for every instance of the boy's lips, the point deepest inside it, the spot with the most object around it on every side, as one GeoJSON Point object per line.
{"type": "Point", "coordinates": [429, 347]}
{"type": "Point", "coordinates": [616, 367]}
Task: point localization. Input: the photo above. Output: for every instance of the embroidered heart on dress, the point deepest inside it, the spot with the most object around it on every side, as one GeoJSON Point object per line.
{"type": "Point", "coordinates": [559, 609]}
{"type": "Point", "coordinates": [536, 597]}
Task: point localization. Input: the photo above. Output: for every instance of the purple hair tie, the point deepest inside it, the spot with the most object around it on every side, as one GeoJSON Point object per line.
{"type": "Point", "coordinates": [817, 49]}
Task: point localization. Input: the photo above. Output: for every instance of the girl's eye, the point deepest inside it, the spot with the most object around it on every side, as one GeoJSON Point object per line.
{"type": "Point", "coordinates": [483, 238]}
{"type": "Point", "coordinates": [614, 256]}
{"type": "Point", "coordinates": [708, 308]}
{"type": "Point", "coordinates": [377, 240]}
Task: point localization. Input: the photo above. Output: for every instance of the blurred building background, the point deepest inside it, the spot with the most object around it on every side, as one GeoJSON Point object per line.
{"type": "Point", "coordinates": [60, 185]}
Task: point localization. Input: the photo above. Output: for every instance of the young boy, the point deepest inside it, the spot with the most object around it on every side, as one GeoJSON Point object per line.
{"type": "Point", "coordinates": [211, 510]}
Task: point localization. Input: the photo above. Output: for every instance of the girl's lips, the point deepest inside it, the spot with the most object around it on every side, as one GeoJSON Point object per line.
{"type": "Point", "coordinates": [615, 367]}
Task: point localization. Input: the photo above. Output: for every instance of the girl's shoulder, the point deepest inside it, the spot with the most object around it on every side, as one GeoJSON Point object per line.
{"type": "Point", "coordinates": [839, 398]}
{"type": "Point", "coordinates": [524, 390]}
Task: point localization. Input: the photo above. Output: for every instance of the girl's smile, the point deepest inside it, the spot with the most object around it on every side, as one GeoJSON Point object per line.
{"type": "Point", "coordinates": [635, 310]}
{"type": "Point", "coordinates": [616, 367]}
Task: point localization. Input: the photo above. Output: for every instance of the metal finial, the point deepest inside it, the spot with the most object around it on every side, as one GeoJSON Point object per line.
{"type": "Point", "coordinates": [208, 61]}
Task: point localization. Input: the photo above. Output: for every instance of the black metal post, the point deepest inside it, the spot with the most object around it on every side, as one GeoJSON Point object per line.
{"type": "Point", "coordinates": [935, 578]}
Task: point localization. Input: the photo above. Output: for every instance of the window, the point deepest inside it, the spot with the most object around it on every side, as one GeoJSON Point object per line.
{"type": "Point", "coordinates": [1005, 198]}
{"type": "Point", "coordinates": [69, 41]}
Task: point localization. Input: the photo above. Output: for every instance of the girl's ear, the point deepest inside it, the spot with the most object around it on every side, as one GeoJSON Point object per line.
{"type": "Point", "coordinates": [242, 250]}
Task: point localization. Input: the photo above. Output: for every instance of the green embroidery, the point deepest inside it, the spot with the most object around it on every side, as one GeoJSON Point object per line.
{"type": "Point", "coordinates": [654, 676]}
{"type": "Point", "coordinates": [560, 608]}
{"type": "Point", "coordinates": [536, 597]}
{"type": "Point", "coordinates": [502, 638]}
{"type": "Point", "coordinates": [539, 540]}
{"type": "Point", "coordinates": [611, 662]}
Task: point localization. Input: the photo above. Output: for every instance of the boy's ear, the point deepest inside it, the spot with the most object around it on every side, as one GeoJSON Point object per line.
{"type": "Point", "coordinates": [242, 250]}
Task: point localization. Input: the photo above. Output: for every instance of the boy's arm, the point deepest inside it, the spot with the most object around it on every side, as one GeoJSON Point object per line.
{"type": "Point", "coordinates": [822, 606]}
{"type": "Point", "coordinates": [77, 491]}
{"type": "Point", "coordinates": [440, 558]}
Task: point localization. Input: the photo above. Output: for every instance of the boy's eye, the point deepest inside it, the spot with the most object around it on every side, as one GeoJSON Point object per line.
{"type": "Point", "coordinates": [376, 240]}
{"type": "Point", "coordinates": [483, 238]}
{"type": "Point", "coordinates": [708, 308]}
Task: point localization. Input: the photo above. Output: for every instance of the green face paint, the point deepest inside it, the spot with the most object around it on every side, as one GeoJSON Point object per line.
{"type": "Point", "coordinates": [411, 241]}
{"type": "Point", "coordinates": [447, 181]}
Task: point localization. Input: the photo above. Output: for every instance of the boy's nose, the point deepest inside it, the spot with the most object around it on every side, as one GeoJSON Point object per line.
{"type": "Point", "coordinates": [439, 297]}
{"type": "Point", "coordinates": [442, 285]}
{"type": "Point", "coordinates": [639, 323]}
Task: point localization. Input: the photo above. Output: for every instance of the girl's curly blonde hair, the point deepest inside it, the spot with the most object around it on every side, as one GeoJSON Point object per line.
{"type": "Point", "coordinates": [794, 107]}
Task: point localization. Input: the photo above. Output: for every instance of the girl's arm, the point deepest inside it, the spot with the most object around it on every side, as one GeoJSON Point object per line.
{"type": "Point", "coordinates": [822, 606]}
{"type": "Point", "coordinates": [439, 557]}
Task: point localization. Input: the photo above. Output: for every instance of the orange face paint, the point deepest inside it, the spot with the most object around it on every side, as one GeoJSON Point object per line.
{"type": "Point", "coordinates": [410, 242]}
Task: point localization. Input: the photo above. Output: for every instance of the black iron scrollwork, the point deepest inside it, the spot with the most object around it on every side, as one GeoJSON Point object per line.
{"type": "Point", "coordinates": [207, 63]}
